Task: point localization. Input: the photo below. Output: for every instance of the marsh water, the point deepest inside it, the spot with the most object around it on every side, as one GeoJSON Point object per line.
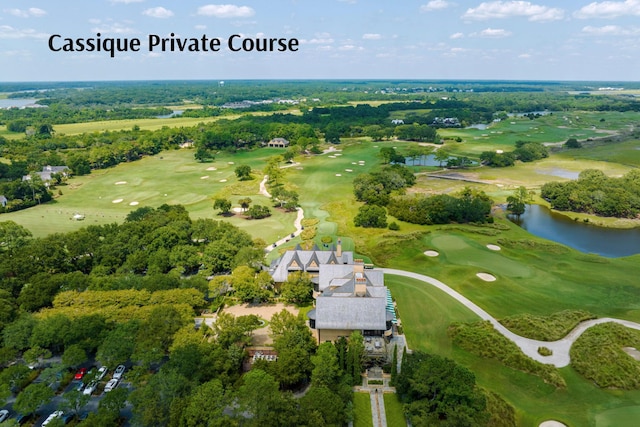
{"type": "Point", "coordinates": [609, 242]}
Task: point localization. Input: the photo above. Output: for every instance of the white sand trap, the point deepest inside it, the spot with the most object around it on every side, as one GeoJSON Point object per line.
{"type": "Point", "coordinates": [431, 253]}
{"type": "Point", "coordinates": [338, 174]}
{"type": "Point", "coordinates": [353, 163]}
{"type": "Point", "coordinates": [212, 168]}
{"type": "Point", "coordinates": [134, 204]}
{"type": "Point", "coordinates": [332, 157]}
{"type": "Point", "coordinates": [486, 277]}
{"type": "Point", "coordinates": [230, 163]}
{"type": "Point", "coordinates": [237, 209]}
{"type": "Point", "coordinates": [499, 151]}
{"type": "Point", "coordinates": [552, 423]}
{"type": "Point", "coordinates": [116, 201]}
{"type": "Point", "coordinates": [348, 170]}
{"type": "Point", "coordinates": [493, 247]}
{"type": "Point", "coordinates": [223, 180]}
{"type": "Point", "coordinates": [375, 146]}
{"type": "Point", "coordinates": [121, 182]}
{"type": "Point", "coordinates": [338, 154]}
{"type": "Point", "coordinates": [204, 177]}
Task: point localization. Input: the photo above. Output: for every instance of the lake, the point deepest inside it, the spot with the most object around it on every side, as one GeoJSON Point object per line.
{"type": "Point", "coordinates": [16, 102]}
{"type": "Point", "coordinates": [609, 242]}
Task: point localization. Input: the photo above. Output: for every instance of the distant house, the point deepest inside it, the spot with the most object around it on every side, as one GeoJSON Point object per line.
{"type": "Point", "coordinates": [278, 143]}
{"type": "Point", "coordinates": [397, 122]}
{"type": "Point", "coordinates": [46, 173]}
{"type": "Point", "coordinates": [3, 201]}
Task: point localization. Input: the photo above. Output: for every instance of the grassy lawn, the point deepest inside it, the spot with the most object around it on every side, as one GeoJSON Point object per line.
{"type": "Point", "coordinates": [625, 153]}
{"type": "Point", "coordinates": [393, 409]}
{"type": "Point", "coordinates": [362, 410]}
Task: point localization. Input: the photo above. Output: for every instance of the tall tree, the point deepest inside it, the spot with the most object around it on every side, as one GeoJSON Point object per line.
{"type": "Point", "coordinates": [517, 202]}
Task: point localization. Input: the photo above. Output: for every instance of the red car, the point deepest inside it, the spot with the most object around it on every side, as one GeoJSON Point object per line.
{"type": "Point", "coordinates": [81, 372]}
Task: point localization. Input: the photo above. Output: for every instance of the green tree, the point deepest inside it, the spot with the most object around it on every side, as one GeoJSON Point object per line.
{"type": "Point", "coordinates": [206, 405]}
{"type": "Point", "coordinates": [517, 202]}
{"type": "Point", "coordinates": [243, 172]}
{"type": "Point", "coordinates": [35, 355]}
{"type": "Point", "coordinates": [326, 371]}
{"type": "Point", "coordinates": [572, 143]}
{"type": "Point", "coordinates": [323, 406]}
{"type": "Point", "coordinates": [371, 216]}
{"type": "Point", "coordinates": [259, 212]}
{"type": "Point", "coordinates": [32, 397]}
{"type": "Point", "coordinates": [355, 356]}
{"type": "Point", "coordinates": [74, 355]}
{"type": "Point", "coordinates": [73, 401]}
{"type": "Point", "coordinates": [224, 205]}
{"type": "Point", "coordinates": [245, 202]}
{"type": "Point", "coordinates": [112, 403]}
{"type": "Point", "coordinates": [298, 288]}
{"type": "Point", "coordinates": [13, 235]}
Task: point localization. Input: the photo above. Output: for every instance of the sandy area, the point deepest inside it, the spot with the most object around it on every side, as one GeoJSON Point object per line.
{"type": "Point", "coordinates": [223, 180]}
{"type": "Point", "coordinates": [133, 204]}
{"type": "Point", "coordinates": [116, 201]}
{"type": "Point", "coordinates": [486, 277]}
{"type": "Point", "coordinates": [204, 177]}
{"type": "Point", "coordinates": [431, 253]}
{"type": "Point", "coordinates": [211, 168]}
{"type": "Point", "coordinates": [493, 247]}
{"type": "Point", "coordinates": [238, 210]}
{"type": "Point", "coordinates": [552, 423]}
{"type": "Point", "coordinates": [260, 336]}
{"type": "Point", "coordinates": [121, 182]}
{"type": "Point", "coordinates": [348, 170]}
{"type": "Point", "coordinates": [338, 174]}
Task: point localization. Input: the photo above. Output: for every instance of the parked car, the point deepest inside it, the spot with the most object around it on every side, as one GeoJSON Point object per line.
{"type": "Point", "coordinates": [80, 386]}
{"type": "Point", "coordinates": [4, 414]}
{"type": "Point", "coordinates": [80, 374]}
{"type": "Point", "coordinates": [117, 374]}
{"type": "Point", "coordinates": [91, 387]}
{"type": "Point", "coordinates": [102, 372]}
{"type": "Point", "coordinates": [113, 383]}
{"type": "Point", "coordinates": [52, 416]}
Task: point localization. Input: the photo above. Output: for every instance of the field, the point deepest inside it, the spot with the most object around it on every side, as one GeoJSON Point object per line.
{"type": "Point", "coordinates": [362, 410]}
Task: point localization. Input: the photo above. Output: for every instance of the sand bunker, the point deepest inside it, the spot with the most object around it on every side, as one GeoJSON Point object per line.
{"type": "Point", "coordinates": [133, 204]}
{"type": "Point", "coordinates": [212, 168]}
{"type": "Point", "coordinates": [353, 163]}
{"type": "Point", "coordinates": [204, 177]}
{"type": "Point", "coordinates": [338, 154]}
{"type": "Point", "coordinates": [116, 201]}
{"type": "Point", "coordinates": [237, 210]}
{"type": "Point", "coordinates": [552, 423]}
{"type": "Point", "coordinates": [348, 170]}
{"type": "Point", "coordinates": [332, 157]}
{"type": "Point", "coordinates": [486, 277]}
{"type": "Point", "coordinates": [493, 247]}
{"type": "Point", "coordinates": [223, 180]}
{"type": "Point", "coordinates": [431, 253]}
{"type": "Point", "coordinates": [230, 163]}
{"type": "Point", "coordinates": [121, 182]}
{"type": "Point", "coordinates": [338, 174]}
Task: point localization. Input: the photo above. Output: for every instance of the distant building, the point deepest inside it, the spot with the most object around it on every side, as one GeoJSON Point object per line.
{"type": "Point", "coordinates": [397, 122]}
{"type": "Point", "coordinates": [46, 173]}
{"type": "Point", "coordinates": [278, 143]}
{"type": "Point", "coordinates": [3, 201]}
{"type": "Point", "coordinates": [308, 261]}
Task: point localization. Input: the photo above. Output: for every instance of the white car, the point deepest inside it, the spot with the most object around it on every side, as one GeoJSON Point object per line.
{"type": "Point", "coordinates": [113, 383]}
{"type": "Point", "coordinates": [52, 416]}
{"type": "Point", "coordinates": [102, 372]}
{"type": "Point", "coordinates": [4, 414]}
{"type": "Point", "coordinates": [117, 374]}
{"type": "Point", "coordinates": [91, 387]}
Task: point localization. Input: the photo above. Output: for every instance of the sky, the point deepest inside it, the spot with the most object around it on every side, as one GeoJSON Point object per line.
{"type": "Point", "coordinates": [337, 39]}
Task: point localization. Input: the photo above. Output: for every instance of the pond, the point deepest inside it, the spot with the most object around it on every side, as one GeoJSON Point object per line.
{"type": "Point", "coordinates": [174, 113]}
{"type": "Point", "coordinates": [609, 242]}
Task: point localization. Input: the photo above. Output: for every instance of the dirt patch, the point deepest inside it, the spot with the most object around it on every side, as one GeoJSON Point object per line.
{"type": "Point", "coordinates": [261, 335]}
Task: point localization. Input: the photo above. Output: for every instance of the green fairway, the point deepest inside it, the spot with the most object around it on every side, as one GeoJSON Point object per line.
{"type": "Point", "coordinates": [622, 417]}
{"type": "Point", "coordinates": [625, 153]}
{"type": "Point", "coordinates": [172, 177]}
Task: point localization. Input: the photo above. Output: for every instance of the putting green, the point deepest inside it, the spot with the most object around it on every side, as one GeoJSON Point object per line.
{"type": "Point", "coordinates": [458, 250]}
{"type": "Point", "coordinates": [628, 416]}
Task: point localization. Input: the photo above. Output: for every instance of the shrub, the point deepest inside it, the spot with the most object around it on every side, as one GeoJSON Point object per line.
{"type": "Point", "coordinates": [544, 351]}
{"type": "Point", "coordinates": [394, 226]}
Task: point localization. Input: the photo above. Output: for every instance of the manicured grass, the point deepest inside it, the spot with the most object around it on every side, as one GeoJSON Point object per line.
{"type": "Point", "coordinates": [172, 177]}
{"type": "Point", "coordinates": [394, 411]}
{"type": "Point", "coordinates": [622, 417]}
{"type": "Point", "coordinates": [625, 153]}
{"type": "Point", "coordinates": [362, 410]}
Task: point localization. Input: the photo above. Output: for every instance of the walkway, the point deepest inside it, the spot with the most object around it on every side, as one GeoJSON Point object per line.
{"type": "Point", "coordinates": [297, 223]}
{"type": "Point", "coordinates": [560, 348]}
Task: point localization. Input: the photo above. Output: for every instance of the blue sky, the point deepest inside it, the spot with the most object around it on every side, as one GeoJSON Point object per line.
{"type": "Point", "coordinates": [339, 39]}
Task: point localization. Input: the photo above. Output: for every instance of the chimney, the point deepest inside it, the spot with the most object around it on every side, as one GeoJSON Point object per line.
{"type": "Point", "coordinates": [339, 248]}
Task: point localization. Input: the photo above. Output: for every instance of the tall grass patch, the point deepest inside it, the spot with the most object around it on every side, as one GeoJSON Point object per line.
{"type": "Point", "coordinates": [546, 328]}
{"type": "Point", "coordinates": [599, 356]}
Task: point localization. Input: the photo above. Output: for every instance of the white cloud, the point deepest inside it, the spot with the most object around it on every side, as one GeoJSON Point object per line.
{"type": "Point", "coordinates": [609, 9]}
{"type": "Point", "coordinates": [510, 9]}
{"type": "Point", "coordinates": [114, 28]}
{"type": "Point", "coordinates": [8, 32]}
{"type": "Point", "coordinates": [435, 5]}
{"type": "Point", "coordinates": [226, 11]}
{"type": "Point", "coordinates": [200, 27]}
{"type": "Point", "coordinates": [370, 36]}
{"type": "Point", "coordinates": [27, 13]}
{"type": "Point", "coordinates": [493, 33]}
{"type": "Point", "coordinates": [524, 56]}
{"type": "Point", "coordinates": [456, 36]}
{"type": "Point", "coordinates": [349, 47]}
{"type": "Point", "coordinates": [158, 12]}
{"type": "Point", "coordinates": [320, 38]}
{"type": "Point", "coordinates": [610, 30]}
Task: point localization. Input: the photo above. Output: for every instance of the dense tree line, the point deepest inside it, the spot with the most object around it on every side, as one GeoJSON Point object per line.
{"type": "Point", "coordinates": [467, 206]}
{"type": "Point", "coordinates": [525, 152]}
{"type": "Point", "coordinates": [593, 192]}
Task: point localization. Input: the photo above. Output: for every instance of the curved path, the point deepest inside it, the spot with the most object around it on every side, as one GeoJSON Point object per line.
{"type": "Point", "coordinates": [297, 223]}
{"type": "Point", "coordinates": [560, 348]}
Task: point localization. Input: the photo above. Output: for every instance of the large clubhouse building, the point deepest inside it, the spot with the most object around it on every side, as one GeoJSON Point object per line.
{"type": "Point", "coordinates": [348, 296]}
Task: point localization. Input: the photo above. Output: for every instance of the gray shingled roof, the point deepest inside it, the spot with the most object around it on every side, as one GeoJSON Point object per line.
{"type": "Point", "coordinates": [351, 313]}
{"type": "Point", "coordinates": [280, 271]}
